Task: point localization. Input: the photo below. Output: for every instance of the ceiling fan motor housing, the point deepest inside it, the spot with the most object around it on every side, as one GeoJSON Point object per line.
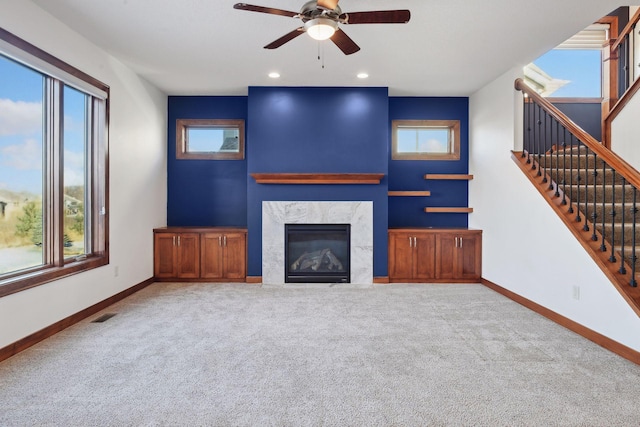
{"type": "Point", "coordinates": [310, 10]}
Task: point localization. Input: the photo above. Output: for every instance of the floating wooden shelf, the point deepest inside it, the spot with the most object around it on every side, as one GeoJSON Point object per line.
{"type": "Point", "coordinates": [448, 210]}
{"type": "Point", "coordinates": [454, 176]}
{"type": "Point", "coordinates": [410, 193]}
{"type": "Point", "coordinates": [317, 178]}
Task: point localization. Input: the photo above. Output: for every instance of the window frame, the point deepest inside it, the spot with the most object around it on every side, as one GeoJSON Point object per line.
{"type": "Point", "coordinates": [182, 127]}
{"type": "Point", "coordinates": [57, 74]}
{"type": "Point", "coordinates": [453, 127]}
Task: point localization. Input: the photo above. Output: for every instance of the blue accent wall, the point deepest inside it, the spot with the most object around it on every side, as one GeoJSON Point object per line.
{"type": "Point", "coordinates": [408, 175]}
{"type": "Point", "coordinates": [205, 192]}
{"type": "Point", "coordinates": [314, 129]}
{"type": "Point", "coordinates": [317, 129]}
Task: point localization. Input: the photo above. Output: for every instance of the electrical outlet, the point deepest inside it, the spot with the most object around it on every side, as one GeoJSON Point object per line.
{"type": "Point", "coordinates": [576, 292]}
{"type": "Point", "coordinates": [116, 271]}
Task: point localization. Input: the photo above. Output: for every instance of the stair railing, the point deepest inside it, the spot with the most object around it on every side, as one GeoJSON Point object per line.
{"type": "Point", "coordinates": [627, 86]}
{"type": "Point", "coordinates": [621, 49]}
{"type": "Point", "coordinates": [598, 187]}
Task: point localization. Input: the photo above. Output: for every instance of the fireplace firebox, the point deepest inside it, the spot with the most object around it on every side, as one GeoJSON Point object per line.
{"type": "Point", "coordinates": [317, 253]}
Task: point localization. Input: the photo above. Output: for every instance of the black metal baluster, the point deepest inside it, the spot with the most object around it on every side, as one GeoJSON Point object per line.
{"type": "Point", "coordinates": [634, 209]}
{"type": "Point", "coordinates": [579, 178]}
{"type": "Point", "coordinates": [585, 227]}
{"type": "Point", "coordinates": [557, 193]}
{"type": "Point", "coordinates": [530, 129]}
{"type": "Point", "coordinates": [571, 169]}
{"type": "Point", "coordinates": [622, 269]}
{"type": "Point", "coordinates": [564, 166]}
{"type": "Point", "coordinates": [603, 246]}
{"type": "Point", "coordinates": [612, 258]}
{"type": "Point", "coordinates": [594, 213]}
{"type": "Point", "coordinates": [525, 125]}
{"type": "Point", "coordinates": [544, 150]}
{"type": "Point", "coordinates": [539, 139]}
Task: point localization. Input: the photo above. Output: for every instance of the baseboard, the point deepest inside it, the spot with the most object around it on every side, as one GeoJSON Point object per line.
{"type": "Point", "coordinates": [36, 337]}
{"type": "Point", "coordinates": [381, 280]}
{"type": "Point", "coordinates": [254, 279]}
{"type": "Point", "coordinates": [611, 345]}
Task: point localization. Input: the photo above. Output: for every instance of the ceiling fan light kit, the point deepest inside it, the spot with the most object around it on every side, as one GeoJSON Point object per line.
{"type": "Point", "coordinates": [321, 19]}
{"type": "Point", "coordinates": [320, 28]}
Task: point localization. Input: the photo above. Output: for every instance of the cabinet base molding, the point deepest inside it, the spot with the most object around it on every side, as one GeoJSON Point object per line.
{"type": "Point", "coordinates": [197, 280]}
{"type": "Point", "coordinates": [254, 279]}
{"type": "Point", "coordinates": [435, 281]}
{"type": "Point", "coordinates": [381, 280]}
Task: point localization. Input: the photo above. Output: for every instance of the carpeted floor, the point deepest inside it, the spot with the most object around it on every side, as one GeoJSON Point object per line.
{"type": "Point", "coordinates": [390, 355]}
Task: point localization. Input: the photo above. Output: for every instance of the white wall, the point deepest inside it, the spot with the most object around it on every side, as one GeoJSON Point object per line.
{"type": "Point", "coordinates": [527, 249]}
{"type": "Point", "coordinates": [138, 180]}
{"type": "Point", "coordinates": [625, 140]}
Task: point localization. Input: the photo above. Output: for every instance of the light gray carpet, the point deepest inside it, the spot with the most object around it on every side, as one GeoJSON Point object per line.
{"type": "Point", "coordinates": [391, 355]}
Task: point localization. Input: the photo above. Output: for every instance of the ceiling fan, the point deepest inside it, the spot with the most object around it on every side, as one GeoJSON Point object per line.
{"type": "Point", "coordinates": [321, 19]}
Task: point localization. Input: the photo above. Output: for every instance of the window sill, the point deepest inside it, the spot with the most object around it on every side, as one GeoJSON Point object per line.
{"type": "Point", "coordinates": [48, 274]}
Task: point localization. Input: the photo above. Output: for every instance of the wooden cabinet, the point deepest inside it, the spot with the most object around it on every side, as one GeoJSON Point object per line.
{"type": "Point", "coordinates": [459, 255]}
{"type": "Point", "coordinates": [411, 256]}
{"type": "Point", "coordinates": [195, 254]}
{"type": "Point", "coordinates": [435, 255]}
{"type": "Point", "coordinates": [175, 255]}
{"type": "Point", "coordinates": [223, 255]}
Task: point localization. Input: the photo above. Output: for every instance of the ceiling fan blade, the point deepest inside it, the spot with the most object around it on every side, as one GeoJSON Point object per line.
{"type": "Point", "coordinates": [287, 37]}
{"type": "Point", "coordinates": [261, 9]}
{"type": "Point", "coordinates": [328, 4]}
{"type": "Point", "coordinates": [344, 42]}
{"type": "Point", "coordinates": [377, 17]}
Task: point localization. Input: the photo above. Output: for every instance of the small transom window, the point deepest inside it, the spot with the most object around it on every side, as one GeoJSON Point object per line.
{"type": "Point", "coordinates": [210, 139]}
{"type": "Point", "coordinates": [425, 140]}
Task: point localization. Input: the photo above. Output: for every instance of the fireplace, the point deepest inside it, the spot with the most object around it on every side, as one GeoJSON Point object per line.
{"type": "Point", "coordinates": [317, 253]}
{"type": "Point", "coordinates": [276, 214]}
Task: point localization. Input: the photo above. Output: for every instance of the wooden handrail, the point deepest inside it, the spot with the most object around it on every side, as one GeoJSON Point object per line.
{"type": "Point", "coordinates": [626, 30]}
{"type": "Point", "coordinates": [617, 108]}
{"type": "Point", "coordinates": [613, 160]}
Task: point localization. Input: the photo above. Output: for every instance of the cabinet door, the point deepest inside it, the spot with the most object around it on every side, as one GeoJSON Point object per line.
{"type": "Point", "coordinates": [235, 259]}
{"type": "Point", "coordinates": [469, 262]}
{"type": "Point", "coordinates": [446, 256]}
{"type": "Point", "coordinates": [211, 256]}
{"type": "Point", "coordinates": [400, 256]}
{"type": "Point", "coordinates": [164, 255]}
{"type": "Point", "coordinates": [188, 265]}
{"type": "Point", "coordinates": [424, 262]}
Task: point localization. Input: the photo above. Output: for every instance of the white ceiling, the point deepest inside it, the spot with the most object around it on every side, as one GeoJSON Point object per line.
{"type": "Point", "coordinates": [205, 47]}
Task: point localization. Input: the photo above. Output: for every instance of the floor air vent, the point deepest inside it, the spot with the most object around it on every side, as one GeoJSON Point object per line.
{"type": "Point", "coordinates": [103, 318]}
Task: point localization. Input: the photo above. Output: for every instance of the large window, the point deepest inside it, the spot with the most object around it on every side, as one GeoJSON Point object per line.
{"type": "Point", "coordinates": [53, 184]}
{"type": "Point", "coordinates": [573, 69]}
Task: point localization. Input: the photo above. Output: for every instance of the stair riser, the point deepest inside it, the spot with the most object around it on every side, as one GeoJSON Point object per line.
{"type": "Point", "coordinates": [571, 161]}
{"type": "Point", "coordinates": [607, 212]}
{"type": "Point", "coordinates": [587, 194]}
{"type": "Point", "coordinates": [628, 234]}
{"type": "Point", "coordinates": [572, 177]}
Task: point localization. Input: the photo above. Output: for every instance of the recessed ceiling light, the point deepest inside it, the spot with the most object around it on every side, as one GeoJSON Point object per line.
{"type": "Point", "coordinates": [274, 75]}
{"type": "Point", "coordinates": [363, 75]}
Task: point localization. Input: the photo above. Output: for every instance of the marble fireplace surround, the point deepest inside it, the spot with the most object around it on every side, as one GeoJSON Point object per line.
{"type": "Point", "coordinates": [275, 214]}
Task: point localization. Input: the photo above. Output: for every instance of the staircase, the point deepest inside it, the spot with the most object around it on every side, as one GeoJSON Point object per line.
{"type": "Point", "coordinates": [592, 190]}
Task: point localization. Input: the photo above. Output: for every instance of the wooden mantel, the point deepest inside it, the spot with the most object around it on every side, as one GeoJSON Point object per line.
{"type": "Point", "coordinates": [317, 178]}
